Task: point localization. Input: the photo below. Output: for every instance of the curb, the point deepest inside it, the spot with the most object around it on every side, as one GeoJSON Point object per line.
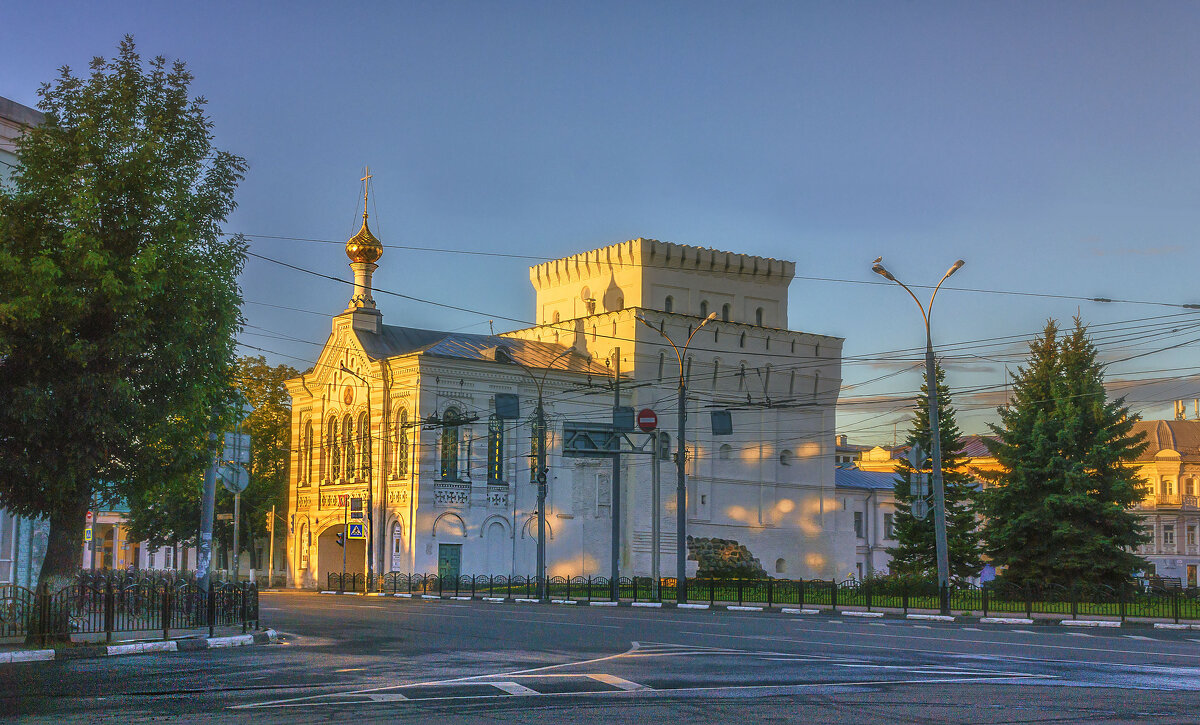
{"type": "Point", "coordinates": [602, 604]}
{"type": "Point", "coordinates": [739, 608]}
{"type": "Point", "coordinates": [1170, 625]}
{"type": "Point", "coordinates": [652, 605]}
{"type": "Point", "coordinates": [1005, 620]}
{"type": "Point", "coordinates": [563, 601]}
{"type": "Point", "coordinates": [691, 606]}
{"type": "Point", "coordinates": [793, 610]}
{"type": "Point", "coordinates": [860, 614]}
{"type": "Point", "coordinates": [931, 617]}
{"type": "Point", "coordinates": [269, 636]}
{"type": "Point", "coordinates": [1089, 623]}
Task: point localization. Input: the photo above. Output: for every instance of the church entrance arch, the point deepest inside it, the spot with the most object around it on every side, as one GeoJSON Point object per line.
{"type": "Point", "coordinates": [329, 555]}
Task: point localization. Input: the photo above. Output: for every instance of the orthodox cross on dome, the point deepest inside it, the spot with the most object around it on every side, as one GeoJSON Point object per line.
{"type": "Point", "coordinates": [364, 250]}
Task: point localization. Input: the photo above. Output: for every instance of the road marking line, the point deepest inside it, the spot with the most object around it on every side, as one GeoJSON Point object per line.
{"type": "Point", "coordinates": [921, 626]}
{"type": "Point", "coordinates": [513, 688]}
{"type": "Point", "coordinates": [877, 624]}
{"type": "Point", "coordinates": [1023, 631]}
{"type": "Point", "coordinates": [971, 629]}
{"type": "Point", "coordinates": [1138, 636]}
{"type": "Point", "coordinates": [1079, 634]}
{"type": "Point", "coordinates": [619, 683]}
{"type": "Point", "coordinates": [386, 696]}
{"type": "Point", "coordinates": [351, 669]}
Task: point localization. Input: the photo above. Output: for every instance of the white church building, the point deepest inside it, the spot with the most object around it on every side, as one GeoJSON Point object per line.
{"type": "Point", "coordinates": [419, 425]}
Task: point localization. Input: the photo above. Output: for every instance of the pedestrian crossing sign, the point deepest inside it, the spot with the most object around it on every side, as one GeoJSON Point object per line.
{"type": "Point", "coordinates": [356, 531]}
{"type": "Point", "coordinates": [87, 534]}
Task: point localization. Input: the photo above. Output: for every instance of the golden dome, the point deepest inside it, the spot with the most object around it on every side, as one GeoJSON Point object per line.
{"type": "Point", "coordinates": [364, 247]}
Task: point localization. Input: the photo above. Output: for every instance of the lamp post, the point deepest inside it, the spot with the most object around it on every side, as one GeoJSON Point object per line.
{"type": "Point", "coordinates": [680, 457]}
{"type": "Point", "coordinates": [366, 447]}
{"type": "Point", "coordinates": [939, 492]}
{"type": "Point", "coordinates": [541, 463]}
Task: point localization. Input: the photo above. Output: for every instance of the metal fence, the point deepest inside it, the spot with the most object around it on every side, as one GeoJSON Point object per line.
{"type": "Point", "coordinates": [97, 604]}
{"type": "Point", "coordinates": [992, 598]}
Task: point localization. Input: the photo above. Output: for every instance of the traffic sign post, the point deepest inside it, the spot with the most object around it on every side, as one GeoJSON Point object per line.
{"type": "Point", "coordinates": [357, 530]}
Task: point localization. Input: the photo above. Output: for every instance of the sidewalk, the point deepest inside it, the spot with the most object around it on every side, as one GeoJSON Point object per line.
{"type": "Point", "coordinates": [130, 643]}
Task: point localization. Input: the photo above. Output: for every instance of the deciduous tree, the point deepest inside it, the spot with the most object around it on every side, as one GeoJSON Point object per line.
{"type": "Point", "coordinates": [118, 295]}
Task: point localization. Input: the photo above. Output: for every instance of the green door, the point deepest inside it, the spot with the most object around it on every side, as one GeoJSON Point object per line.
{"type": "Point", "coordinates": [449, 561]}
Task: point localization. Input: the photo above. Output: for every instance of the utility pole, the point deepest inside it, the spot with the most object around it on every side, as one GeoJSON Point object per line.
{"type": "Point", "coordinates": [540, 462]}
{"type": "Point", "coordinates": [207, 505]}
{"type": "Point", "coordinates": [655, 513]}
{"type": "Point", "coordinates": [616, 484]}
{"type": "Point", "coordinates": [237, 519]}
{"type": "Point", "coordinates": [271, 555]}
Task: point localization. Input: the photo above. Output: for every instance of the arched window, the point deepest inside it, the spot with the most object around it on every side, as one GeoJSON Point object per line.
{"type": "Point", "coordinates": [593, 333]}
{"type": "Point", "coordinates": [557, 318]}
{"type": "Point", "coordinates": [449, 444]}
{"type": "Point", "coordinates": [664, 445]}
{"type": "Point", "coordinates": [742, 340]}
{"type": "Point", "coordinates": [780, 566]}
{"type": "Point", "coordinates": [792, 383]}
{"type": "Point", "coordinates": [662, 363]}
{"type": "Point", "coordinates": [716, 372]}
{"type": "Point", "coordinates": [303, 545]}
{"type": "Point", "coordinates": [767, 380]}
{"type": "Point", "coordinates": [758, 318]}
{"type": "Point", "coordinates": [793, 347]}
{"type": "Point", "coordinates": [348, 448]}
{"type": "Point", "coordinates": [364, 446]}
{"type": "Point", "coordinates": [704, 308]}
{"type": "Point", "coordinates": [768, 342]}
{"type": "Point", "coordinates": [306, 466]}
{"type": "Point", "coordinates": [397, 545]}
{"type": "Point", "coordinates": [785, 458]}
{"type": "Point", "coordinates": [1189, 487]}
{"type": "Point", "coordinates": [716, 334]}
{"type": "Point", "coordinates": [495, 449]}
{"type": "Point", "coordinates": [669, 304]}
{"type": "Point", "coordinates": [742, 377]}
{"type": "Point", "coordinates": [400, 444]}
{"type": "Point", "coordinates": [725, 312]}
{"type": "Point", "coordinates": [1167, 486]}
{"type": "Point", "coordinates": [725, 452]}
{"type": "Point", "coordinates": [333, 454]}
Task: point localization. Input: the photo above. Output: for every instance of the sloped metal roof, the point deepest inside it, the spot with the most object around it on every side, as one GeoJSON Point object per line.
{"type": "Point", "coordinates": [1181, 436]}
{"type": "Point", "coordinates": [869, 480]}
{"type": "Point", "coordinates": [393, 341]}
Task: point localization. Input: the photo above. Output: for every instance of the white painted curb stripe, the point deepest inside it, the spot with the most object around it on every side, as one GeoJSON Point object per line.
{"type": "Point", "coordinates": [139, 647]}
{"type": "Point", "coordinates": [37, 655]}
{"type": "Point", "coordinates": [238, 641]}
{"type": "Point", "coordinates": [329, 592]}
{"type": "Point", "coordinates": [654, 605]}
{"type": "Point", "coordinates": [1005, 620]}
{"type": "Point", "coordinates": [736, 608]}
{"type": "Point", "coordinates": [1089, 623]}
{"type": "Point", "coordinates": [528, 601]}
{"type": "Point", "coordinates": [430, 596]}
{"type": "Point", "coordinates": [792, 610]}
{"type": "Point", "coordinates": [602, 604]}
{"type": "Point", "coordinates": [563, 601]}
{"type": "Point", "coordinates": [691, 606]}
{"type": "Point", "coordinates": [932, 617]}
{"type": "Point", "coordinates": [1165, 625]}
{"type": "Point", "coordinates": [376, 594]}
{"type": "Point", "coordinates": [861, 614]}
{"type": "Point", "coordinates": [494, 600]}
{"type": "Point", "coordinates": [461, 599]}
{"type": "Point", "coordinates": [406, 596]}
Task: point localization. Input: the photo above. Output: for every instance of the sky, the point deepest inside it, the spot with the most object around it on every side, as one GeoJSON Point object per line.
{"type": "Point", "coordinates": [1053, 146]}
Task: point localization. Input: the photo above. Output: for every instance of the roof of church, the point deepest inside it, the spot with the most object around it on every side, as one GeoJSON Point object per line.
{"type": "Point", "coordinates": [393, 341]}
{"type": "Point", "coordinates": [1182, 436]}
{"type": "Point", "coordinates": [854, 478]}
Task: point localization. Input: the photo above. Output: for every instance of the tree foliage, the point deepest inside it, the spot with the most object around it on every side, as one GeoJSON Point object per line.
{"type": "Point", "coordinates": [118, 294]}
{"type": "Point", "coordinates": [916, 552]}
{"type": "Point", "coordinates": [1060, 510]}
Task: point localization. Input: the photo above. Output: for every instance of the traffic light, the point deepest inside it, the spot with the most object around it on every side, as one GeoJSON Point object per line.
{"type": "Point", "coordinates": [341, 539]}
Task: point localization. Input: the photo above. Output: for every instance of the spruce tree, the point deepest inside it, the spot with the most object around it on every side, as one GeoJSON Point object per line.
{"type": "Point", "coordinates": [1060, 510]}
{"type": "Point", "coordinates": [916, 552]}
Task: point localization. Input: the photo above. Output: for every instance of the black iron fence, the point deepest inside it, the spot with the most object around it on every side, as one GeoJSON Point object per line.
{"type": "Point", "coordinates": [990, 599]}
{"type": "Point", "coordinates": [99, 604]}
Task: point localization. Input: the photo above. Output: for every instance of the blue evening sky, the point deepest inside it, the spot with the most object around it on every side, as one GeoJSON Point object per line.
{"type": "Point", "coordinates": [1052, 145]}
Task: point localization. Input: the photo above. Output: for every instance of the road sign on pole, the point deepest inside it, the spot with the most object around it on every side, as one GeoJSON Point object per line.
{"type": "Point", "coordinates": [87, 534]}
{"type": "Point", "coordinates": [356, 530]}
{"type": "Point", "coordinates": [647, 420]}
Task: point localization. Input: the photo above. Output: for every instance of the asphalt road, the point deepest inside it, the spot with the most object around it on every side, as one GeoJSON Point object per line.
{"type": "Point", "coordinates": [355, 659]}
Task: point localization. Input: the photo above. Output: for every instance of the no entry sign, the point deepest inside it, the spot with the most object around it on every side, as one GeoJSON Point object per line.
{"type": "Point", "coordinates": [647, 420]}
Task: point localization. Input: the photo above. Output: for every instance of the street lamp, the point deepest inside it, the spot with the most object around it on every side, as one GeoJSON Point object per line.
{"type": "Point", "coordinates": [680, 457]}
{"type": "Point", "coordinates": [370, 487]}
{"type": "Point", "coordinates": [540, 462]}
{"type": "Point", "coordinates": [939, 492]}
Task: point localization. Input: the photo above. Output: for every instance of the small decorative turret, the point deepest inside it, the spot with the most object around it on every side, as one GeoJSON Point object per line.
{"type": "Point", "coordinates": [364, 250]}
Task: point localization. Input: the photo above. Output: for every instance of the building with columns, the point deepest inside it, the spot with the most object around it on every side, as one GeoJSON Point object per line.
{"type": "Point", "coordinates": [419, 425]}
